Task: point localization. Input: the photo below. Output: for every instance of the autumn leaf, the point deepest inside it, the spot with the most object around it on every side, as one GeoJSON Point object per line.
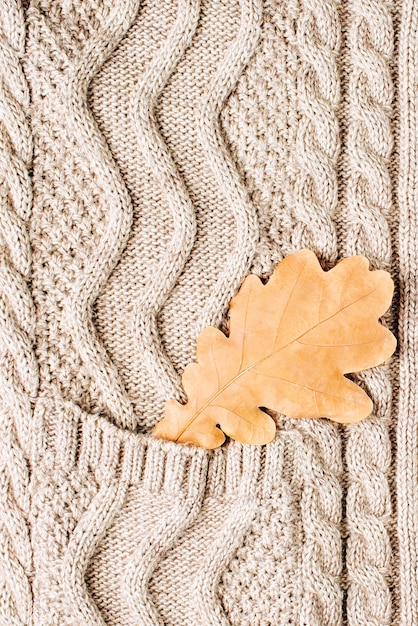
{"type": "Point", "coordinates": [290, 343]}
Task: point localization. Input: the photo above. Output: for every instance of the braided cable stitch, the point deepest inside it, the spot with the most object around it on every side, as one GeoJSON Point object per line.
{"type": "Point", "coordinates": [365, 230]}
{"type": "Point", "coordinates": [316, 41]}
{"type": "Point", "coordinates": [18, 367]}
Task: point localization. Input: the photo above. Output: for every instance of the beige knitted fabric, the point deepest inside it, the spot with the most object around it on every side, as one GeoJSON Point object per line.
{"type": "Point", "coordinates": [152, 154]}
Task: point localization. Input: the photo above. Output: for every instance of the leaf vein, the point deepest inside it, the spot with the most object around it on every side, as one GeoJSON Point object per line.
{"type": "Point", "coordinates": [251, 366]}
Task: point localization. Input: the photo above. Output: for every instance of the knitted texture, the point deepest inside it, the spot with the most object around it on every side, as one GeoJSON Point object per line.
{"type": "Point", "coordinates": [152, 155]}
{"type": "Point", "coordinates": [18, 368]}
{"type": "Point", "coordinates": [406, 475]}
{"type": "Point", "coordinates": [366, 230]}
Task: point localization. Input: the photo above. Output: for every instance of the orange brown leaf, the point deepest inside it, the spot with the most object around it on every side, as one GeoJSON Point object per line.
{"type": "Point", "coordinates": [290, 343]}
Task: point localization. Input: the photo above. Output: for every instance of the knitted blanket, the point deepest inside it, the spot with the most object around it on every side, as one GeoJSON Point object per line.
{"type": "Point", "coordinates": [152, 154]}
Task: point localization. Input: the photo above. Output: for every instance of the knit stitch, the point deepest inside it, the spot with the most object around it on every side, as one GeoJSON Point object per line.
{"type": "Point", "coordinates": [366, 231]}
{"type": "Point", "coordinates": [152, 155]}
{"type": "Point", "coordinates": [18, 368]}
{"type": "Point", "coordinates": [406, 469]}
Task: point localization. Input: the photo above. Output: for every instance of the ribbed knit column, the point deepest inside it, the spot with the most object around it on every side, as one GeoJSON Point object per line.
{"type": "Point", "coordinates": [407, 425]}
{"type": "Point", "coordinates": [18, 368]}
{"type": "Point", "coordinates": [181, 267]}
{"type": "Point", "coordinates": [364, 229]}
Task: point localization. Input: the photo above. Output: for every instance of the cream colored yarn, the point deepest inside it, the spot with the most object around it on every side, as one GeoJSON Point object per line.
{"type": "Point", "coordinates": [152, 154]}
{"type": "Point", "coordinates": [18, 367]}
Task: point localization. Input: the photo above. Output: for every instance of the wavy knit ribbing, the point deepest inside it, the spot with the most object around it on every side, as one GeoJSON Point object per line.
{"type": "Point", "coordinates": [161, 162]}
{"type": "Point", "coordinates": [407, 433]}
{"type": "Point", "coordinates": [90, 529]}
{"type": "Point", "coordinates": [228, 231]}
{"type": "Point", "coordinates": [145, 558]}
{"type": "Point", "coordinates": [79, 489]}
{"type": "Point", "coordinates": [267, 557]}
{"type": "Point", "coordinates": [365, 230]}
{"type": "Point", "coordinates": [237, 55]}
{"type": "Point", "coordinates": [61, 62]}
{"type": "Point", "coordinates": [224, 169]}
{"type": "Point", "coordinates": [81, 216]}
{"type": "Point", "coordinates": [123, 97]}
{"type": "Point", "coordinates": [189, 134]}
{"type": "Point", "coordinates": [18, 368]}
{"type": "Point", "coordinates": [226, 543]}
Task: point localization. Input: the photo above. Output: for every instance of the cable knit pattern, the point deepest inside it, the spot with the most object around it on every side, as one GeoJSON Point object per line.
{"type": "Point", "coordinates": [317, 140]}
{"type": "Point", "coordinates": [178, 146]}
{"type": "Point", "coordinates": [230, 66]}
{"type": "Point", "coordinates": [81, 217]}
{"type": "Point", "coordinates": [160, 161]}
{"type": "Point", "coordinates": [369, 133]}
{"type": "Point", "coordinates": [312, 39]}
{"type": "Point", "coordinates": [67, 45]}
{"type": "Point", "coordinates": [319, 459]}
{"type": "Point", "coordinates": [365, 230]}
{"type": "Point", "coordinates": [226, 543]}
{"type": "Point", "coordinates": [18, 368]}
{"type": "Point", "coordinates": [315, 148]}
{"type": "Point", "coordinates": [317, 40]}
{"type": "Point", "coordinates": [90, 529]}
{"type": "Point", "coordinates": [86, 476]}
{"type": "Point", "coordinates": [260, 130]}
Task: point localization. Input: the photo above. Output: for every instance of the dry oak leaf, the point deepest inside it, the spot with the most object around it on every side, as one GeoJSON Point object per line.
{"type": "Point", "coordinates": [290, 343]}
